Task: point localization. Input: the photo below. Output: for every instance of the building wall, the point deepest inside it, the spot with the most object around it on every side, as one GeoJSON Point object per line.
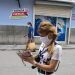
{"type": "Point", "coordinates": [6, 8]}
{"type": "Point", "coordinates": [12, 31]}
{"type": "Point", "coordinates": [73, 17]}
{"type": "Point", "coordinates": [72, 34]}
{"type": "Point", "coordinates": [65, 0]}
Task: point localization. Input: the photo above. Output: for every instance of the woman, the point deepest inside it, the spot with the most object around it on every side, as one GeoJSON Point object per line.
{"type": "Point", "coordinates": [49, 52]}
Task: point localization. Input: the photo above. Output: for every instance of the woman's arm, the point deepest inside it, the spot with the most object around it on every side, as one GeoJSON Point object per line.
{"type": "Point", "coordinates": [51, 67]}
{"type": "Point", "coordinates": [55, 59]}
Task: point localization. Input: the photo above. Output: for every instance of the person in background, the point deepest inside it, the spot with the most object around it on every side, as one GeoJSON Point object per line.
{"type": "Point", "coordinates": [50, 52]}
{"type": "Point", "coordinates": [30, 33]}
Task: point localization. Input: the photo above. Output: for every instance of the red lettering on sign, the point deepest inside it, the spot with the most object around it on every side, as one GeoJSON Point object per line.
{"type": "Point", "coordinates": [19, 14]}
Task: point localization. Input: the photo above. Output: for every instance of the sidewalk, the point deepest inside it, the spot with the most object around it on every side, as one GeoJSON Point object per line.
{"type": "Point", "coordinates": [11, 64]}
{"type": "Point", "coordinates": [22, 47]}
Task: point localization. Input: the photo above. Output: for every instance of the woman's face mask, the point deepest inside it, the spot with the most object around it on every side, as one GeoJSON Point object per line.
{"type": "Point", "coordinates": [45, 40]}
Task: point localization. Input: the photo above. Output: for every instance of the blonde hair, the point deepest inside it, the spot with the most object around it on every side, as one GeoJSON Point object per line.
{"type": "Point", "coordinates": [51, 46]}
{"type": "Point", "coordinates": [49, 26]}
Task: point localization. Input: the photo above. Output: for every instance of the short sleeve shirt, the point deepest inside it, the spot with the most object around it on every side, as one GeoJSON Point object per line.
{"type": "Point", "coordinates": [56, 55]}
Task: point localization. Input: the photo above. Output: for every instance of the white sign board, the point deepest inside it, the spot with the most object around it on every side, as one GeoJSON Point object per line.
{"type": "Point", "coordinates": [19, 13]}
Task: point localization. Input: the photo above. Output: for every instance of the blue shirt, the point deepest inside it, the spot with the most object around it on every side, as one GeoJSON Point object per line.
{"type": "Point", "coordinates": [30, 32]}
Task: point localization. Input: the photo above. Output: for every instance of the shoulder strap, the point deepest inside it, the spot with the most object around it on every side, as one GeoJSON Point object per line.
{"type": "Point", "coordinates": [43, 51]}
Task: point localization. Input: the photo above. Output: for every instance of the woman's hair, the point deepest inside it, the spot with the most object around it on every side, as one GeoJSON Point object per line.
{"type": "Point", "coordinates": [47, 26]}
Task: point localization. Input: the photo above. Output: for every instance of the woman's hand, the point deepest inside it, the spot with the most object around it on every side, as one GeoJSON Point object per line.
{"type": "Point", "coordinates": [26, 56]}
{"type": "Point", "coordinates": [30, 60]}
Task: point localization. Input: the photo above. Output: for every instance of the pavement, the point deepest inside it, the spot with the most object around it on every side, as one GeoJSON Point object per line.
{"type": "Point", "coordinates": [11, 64]}
{"type": "Point", "coordinates": [22, 47]}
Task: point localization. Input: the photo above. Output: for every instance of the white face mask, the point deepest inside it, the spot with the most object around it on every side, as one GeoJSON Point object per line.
{"type": "Point", "coordinates": [45, 40]}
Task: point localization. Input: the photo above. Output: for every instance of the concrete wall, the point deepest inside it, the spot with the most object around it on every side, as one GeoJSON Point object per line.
{"type": "Point", "coordinates": [73, 17]}
{"type": "Point", "coordinates": [72, 36]}
{"type": "Point", "coordinates": [13, 34]}
{"type": "Point", "coordinates": [72, 32]}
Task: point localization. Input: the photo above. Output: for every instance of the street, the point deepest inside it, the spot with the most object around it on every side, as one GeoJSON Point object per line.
{"type": "Point", "coordinates": [11, 64]}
